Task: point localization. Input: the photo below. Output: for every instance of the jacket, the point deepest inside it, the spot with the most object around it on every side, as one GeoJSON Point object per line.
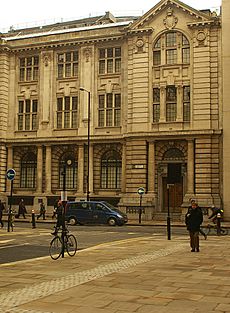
{"type": "Point", "coordinates": [194, 218]}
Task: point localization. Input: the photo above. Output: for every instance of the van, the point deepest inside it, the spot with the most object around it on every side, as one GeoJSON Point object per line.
{"type": "Point", "coordinates": [94, 212]}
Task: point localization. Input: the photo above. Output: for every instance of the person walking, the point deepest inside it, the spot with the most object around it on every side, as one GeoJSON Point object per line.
{"type": "Point", "coordinates": [2, 208]}
{"type": "Point", "coordinates": [21, 209]}
{"type": "Point", "coordinates": [60, 214]}
{"type": "Point", "coordinates": [42, 211]}
{"type": "Point", "coordinates": [193, 220]}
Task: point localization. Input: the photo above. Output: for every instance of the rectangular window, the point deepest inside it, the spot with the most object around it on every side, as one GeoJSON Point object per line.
{"type": "Point", "coordinates": [67, 64]}
{"type": "Point", "coordinates": [171, 103]}
{"type": "Point", "coordinates": [110, 60]}
{"type": "Point", "coordinates": [109, 110]}
{"type": "Point", "coordinates": [156, 57]}
{"type": "Point", "coordinates": [156, 105]}
{"type": "Point", "coordinates": [28, 68]}
{"type": "Point", "coordinates": [171, 39]}
{"type": "Point", "coordinates": [27, 114]}
{"type": "Point", "coordinates": [186, 103]}
{"type": "Point", "coordinates": [67, 112]}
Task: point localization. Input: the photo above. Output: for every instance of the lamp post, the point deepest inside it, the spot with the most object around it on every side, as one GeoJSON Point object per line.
{"type": "Point", "coordinates": [88, 143]}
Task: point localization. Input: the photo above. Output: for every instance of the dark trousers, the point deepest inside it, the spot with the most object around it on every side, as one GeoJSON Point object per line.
{"type": "Point", "coordinates": [42, 214]}
{"type": "Point", "coordinates": [1, 222]}
{"type": "Point", "coordinates": [194, 239]}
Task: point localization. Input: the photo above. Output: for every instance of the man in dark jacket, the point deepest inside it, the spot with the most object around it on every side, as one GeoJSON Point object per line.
{"type": "Point", "coordinates": [193, 220]}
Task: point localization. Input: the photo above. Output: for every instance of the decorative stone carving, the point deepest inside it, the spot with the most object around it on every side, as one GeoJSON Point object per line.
{"type": "Point", "coordinates": [171, 20]}
{"type": "Point", "coordinates": [87, 53]}
{"type": "Point", "coordinates": [46, 59]}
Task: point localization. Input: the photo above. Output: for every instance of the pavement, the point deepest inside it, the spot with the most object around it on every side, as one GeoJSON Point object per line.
{"type": "Point", "coordinates": [143, 275]}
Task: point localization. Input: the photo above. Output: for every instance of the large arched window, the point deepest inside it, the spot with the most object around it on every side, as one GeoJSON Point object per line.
{"type": "Point", "coordinates": [171, 48]}
{"type": "Point", "coordinates": [111, 170]}
{"type": "Point", "coordinates": [68, 166]}
{"type": "Point", "coordinates": [28, 170]}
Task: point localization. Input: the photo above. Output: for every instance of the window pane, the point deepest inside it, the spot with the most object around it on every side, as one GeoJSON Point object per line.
{"type": "Point", "coordinates": [59, 120]}
{"type": "Point", "coordinates": [109, 100]}
{"type": "Point", "coordinates": [68, 57]}
{"type": "Point", "coordinates": [36, 60]}
{"type": "Point", "coordinates": [75, 69]}
{"type": "Point", "coordinates": [109, 52]}
{"type": "Point", "coordinates": [29, 61]}
{"type": "Point", "coordinates": [101, 53]}
{"type": "Point", "coordinates": [35, 73]}
{"type": "Point", "coordinates": [75, 56]}
{"type": "Point", "coordinates": [60, 58]}
{"type": "Point", "coordinates": [74, 119]}
{"type": "Point", "coordinates": [171, 93]}
{"type": "Point", "coordinates": [102, 67]}
{"type": "Point", "coordinates": [156, 95]}
{"type": "Point", "coordinates": [156, 57]}
{"type": "Point", "coordinates": [35, 106]}
{"type": "Point", "coordinates": [110, 66]}
{"type": "Point", "coordinates": [22, 74]}
{"type": "Point", "coordinates": [101, 101]}
{"type": "Point", "coordinates": [67, 103]}
{"type": "Point", "coordinates": [66, 119]}
{"type": "Point", "coordinates": [20, 106]}
{"type": "Point", "coordinates": [171, 39]}
{"type": "Point", "coordinates": [171, 112]}
{"type": "Point", "coordinates": [27, 121]}
{"type": "Point", "coordinates": [109, 118]}
{"type": "Point", "coordinates": [117, 117]}
{"type": "Point", "coordinates": [59, 104]}
{"type": "Point", "coordinates": [117, 52]}
{"type": "Point", "coordinates": [156, 113]}
{"type": "Point", "coordinates": [74, 103]}
{"type": "Point", "coordinates": [158, 44]}
{"type": "Point", "coordinates": [68, 70]}
{"type": "Point", "coordinates": [20, 122]}
{"type": "Point", "coordinates": [34, 121]}
{"type": "Point", "coordinates": [186, 55]}
{"type": "Point", "coordinates": [101, 116]}
{"type": "Point", "coordinates": [22, 62]}
{"type": "Point", "coordinates": [27, 105]}
{"type": "Point", "coordinates": [117, 65]}
{"type": "Point", "coordinates": [171, 56]}
{"type": "Point", "coordinates": [117, 100]}
{"type": "Point", "coordinates": [60, 70]}
{"type": "Point", "coordinates": [28, 73]}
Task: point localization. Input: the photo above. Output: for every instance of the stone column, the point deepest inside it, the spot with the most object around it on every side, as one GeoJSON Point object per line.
{"type": "Point", "coordinates": [39, 169]}
{"type": "Point", "coordinates": [80, 172]}
{"type": "Point", "coordinates": [123, 169]}
{"type": "Point", "coordinates": [190, 168]}
{"type": "Point", "coordinates": [48, 170]}
{"type": "Point", "coordinates": [151, 168]}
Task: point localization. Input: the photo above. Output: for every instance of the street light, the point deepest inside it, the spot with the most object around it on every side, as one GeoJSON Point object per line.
{"type": "Point", "coordinates": [88, 141]}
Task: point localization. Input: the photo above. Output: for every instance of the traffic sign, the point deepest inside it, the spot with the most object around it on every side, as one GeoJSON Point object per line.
{"type": "Point", "coordinates": [10, 174]}
{"type": "Point", "coordinates": [140, 191]}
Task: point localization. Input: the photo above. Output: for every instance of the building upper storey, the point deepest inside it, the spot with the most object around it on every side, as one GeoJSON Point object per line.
{"type": "Point", "coordinates": [155, 74]}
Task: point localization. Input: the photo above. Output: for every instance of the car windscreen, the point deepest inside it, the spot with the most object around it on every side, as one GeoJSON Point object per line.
{"type": "Point", "coordinates": [113, 208]}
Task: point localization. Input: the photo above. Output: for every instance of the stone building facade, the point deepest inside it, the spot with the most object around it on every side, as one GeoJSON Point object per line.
{"type": "Point", "coordinates": [153, 87]}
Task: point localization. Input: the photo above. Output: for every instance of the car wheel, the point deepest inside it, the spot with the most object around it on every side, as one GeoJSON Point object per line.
{"type": "Point", "coordinates": [72, 221]}
{"type": "Point", "coordinates": [112, 221]}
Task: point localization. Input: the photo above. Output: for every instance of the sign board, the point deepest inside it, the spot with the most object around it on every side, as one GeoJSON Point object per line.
{"type": "Point", "coordinates": [10, 174]}
{"type": "Point", "coordinates": [140, 191]}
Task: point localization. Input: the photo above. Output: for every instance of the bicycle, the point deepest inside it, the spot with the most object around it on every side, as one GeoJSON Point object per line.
{"type": "Point", "coordinates": [58, 247]}
{"type": "Point", "coordinates": [212, 229]}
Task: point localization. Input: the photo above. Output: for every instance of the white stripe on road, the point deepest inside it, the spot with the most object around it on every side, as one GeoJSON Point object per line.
{"type": "Point", "coordinates": [13, 246]}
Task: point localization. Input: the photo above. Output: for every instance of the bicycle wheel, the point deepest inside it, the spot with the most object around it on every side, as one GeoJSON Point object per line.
{"type": "Point", "coordinates": [55, 248]}
{"type": "Point", "coordinates": [205, 230]}
{"type": "Point", "coordinates": [71, 245]}
{"type": "Point", "coordinates": [224, 231]}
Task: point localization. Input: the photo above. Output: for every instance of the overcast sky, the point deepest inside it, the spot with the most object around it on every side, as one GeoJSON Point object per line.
{"type": "Point", "coordinates": [25, 13]}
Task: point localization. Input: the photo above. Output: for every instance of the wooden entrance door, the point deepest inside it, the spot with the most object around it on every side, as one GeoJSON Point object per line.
{"type": "Point", "coordinates": [175, 195]}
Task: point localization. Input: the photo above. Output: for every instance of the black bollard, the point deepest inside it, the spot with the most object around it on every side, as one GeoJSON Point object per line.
{"type": "Point", "coordinates": [218, 224]}
{"type": "Point", "coordinates": [33, 220]}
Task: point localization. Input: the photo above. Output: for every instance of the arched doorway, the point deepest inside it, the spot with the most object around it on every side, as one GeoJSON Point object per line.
{"type": "Point", "coordinates": [172, 177]}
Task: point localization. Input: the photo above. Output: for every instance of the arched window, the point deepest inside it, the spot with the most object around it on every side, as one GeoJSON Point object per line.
{"type": "Point", "coordinates": [111, 170]}
{"type": "Point", "coordinates": [173, 154]}
{"type": "Point", "coordinates": [28, 170]}
{"type": "Point", "coordinates": [176, 49]}
{"type": "Point", "coordinates": [68, 167]}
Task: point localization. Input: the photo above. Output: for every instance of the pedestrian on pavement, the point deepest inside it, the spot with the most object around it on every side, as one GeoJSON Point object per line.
{"type": "Point", "coordinates": [21, 209]}
{"type": "Point", "coordinates": [55, 209]}
{"type": "Point", "coordinates": [42, 211]}
{"type": "Point", "coordinates": [2, 208]}
{"type": "Point", "coordinates": [193, 220]}
{"type": "Point", "coordinates": [60, 215]}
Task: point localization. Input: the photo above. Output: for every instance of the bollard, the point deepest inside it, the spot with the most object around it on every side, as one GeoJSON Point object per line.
{"type": "Point", "coordinates": [140, 213]}
{"type": "Point", "coordinates": [33, 220]}
{"type": "Point", "coordinates": [218, 224]}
